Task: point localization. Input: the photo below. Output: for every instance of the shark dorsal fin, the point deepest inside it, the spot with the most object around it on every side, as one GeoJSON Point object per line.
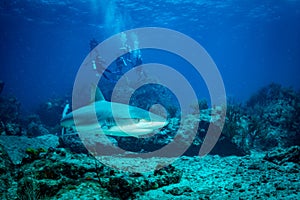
{"type": "Point", "coordinates": [96, 92]}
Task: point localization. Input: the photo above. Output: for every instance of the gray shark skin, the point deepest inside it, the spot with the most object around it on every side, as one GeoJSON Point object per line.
{"type": "Point", "coordinates": [118, 123]}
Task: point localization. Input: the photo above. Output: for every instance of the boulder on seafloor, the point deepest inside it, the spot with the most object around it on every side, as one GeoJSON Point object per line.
{"type": "Point", "coordinates": [14, 129]}
{"type": "Point", "coordinates": [16, 146]}
{"type": "Point", "coordinates": [36, 129]}
{"type": "Point", "coordinates": [280, 155]}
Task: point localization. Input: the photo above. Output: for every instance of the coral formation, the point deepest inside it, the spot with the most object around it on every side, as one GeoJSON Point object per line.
{"type": "Point", "coordinates": [54, 171]}
{"type": "Point", "coordinates": [275, 117]}
{"type": "Point", "coordinates": [257, 155]}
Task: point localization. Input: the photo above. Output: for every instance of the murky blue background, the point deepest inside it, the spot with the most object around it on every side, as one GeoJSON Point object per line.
{"type": "Point", "coordinates": [43, 43]}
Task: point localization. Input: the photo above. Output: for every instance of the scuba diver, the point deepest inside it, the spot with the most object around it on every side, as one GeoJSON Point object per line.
{"type": "Point", "coordinates": [138, 60]}
{"type": "Point", "coordinates": [93, 43]}
{"type": "Point", "coordinates": [97, 64]}
{"type": "Point", "coordinates": [131, 59]}
{"type": "Point", "coordinates": [123, 63]}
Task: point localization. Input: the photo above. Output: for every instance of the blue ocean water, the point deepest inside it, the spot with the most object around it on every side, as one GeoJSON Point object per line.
{"type": "Point", "coordinates": [43, 43]}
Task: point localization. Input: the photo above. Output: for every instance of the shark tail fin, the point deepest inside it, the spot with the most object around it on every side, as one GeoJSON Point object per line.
{"type": "Point", "coordinates": [66, 109]}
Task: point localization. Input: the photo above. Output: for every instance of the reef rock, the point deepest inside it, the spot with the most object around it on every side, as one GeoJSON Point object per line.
{"type": "Point", "coordinates": [16, 146]}
{"type": "Point", "coordinates": [9, 109]}
{"type": "Point", "coordinates": [5, 171]}
{"type": "Point", "coordinates": [275, 117]}
{"type": "Point", "coordinates": [60, 174]}
{"type": "Point", "coordinates": [36, 129]}
{"type": "Point", "coordinates": [280, 156]}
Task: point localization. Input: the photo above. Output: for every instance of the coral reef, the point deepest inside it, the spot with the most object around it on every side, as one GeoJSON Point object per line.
{"type": "Point", "coordinates": [60, 174]}
{"type": "Point", "coordinates": [5, 171]}
{"type": "Point", "coordinates": [54, 172]}
{"type": "Point", "coordinates": [9, 109]}
{"type": "Point", "coordinates": [36, 129]}
{"type": "Point", "coordinates": [10, 116]}
{"type": "Point", "coordinates": [17, 146]}
{"type": "Point", "coordinates": [280, 156]}
{"type": "Point", "coordinates": [275, 117]}
{"type": "Point", "coordinates": [257, 155]}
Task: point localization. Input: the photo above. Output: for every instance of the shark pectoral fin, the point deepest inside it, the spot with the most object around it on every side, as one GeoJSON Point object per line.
{"type": "Point", "coordinates": [128, 131]}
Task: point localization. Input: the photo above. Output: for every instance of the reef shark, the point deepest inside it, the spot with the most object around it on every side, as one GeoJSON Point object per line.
{"type": "Point", "coordinates": [114, 119]}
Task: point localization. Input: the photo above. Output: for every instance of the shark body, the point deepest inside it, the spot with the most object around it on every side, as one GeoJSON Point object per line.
{"type": "Point", "coordinates": [115, 119]}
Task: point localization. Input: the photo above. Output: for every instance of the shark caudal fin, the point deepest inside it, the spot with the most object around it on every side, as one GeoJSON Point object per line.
{"type": "Point", "coordinates": [66, 109]}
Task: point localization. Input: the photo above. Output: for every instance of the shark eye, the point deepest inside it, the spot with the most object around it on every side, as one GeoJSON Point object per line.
{"type": "Point", "coordinates": [136, 120]}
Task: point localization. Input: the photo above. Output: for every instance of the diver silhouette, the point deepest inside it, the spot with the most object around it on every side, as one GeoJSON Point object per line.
{"type": "Point", "coordinates": [93, 43]}
{"type": "Point", "coordinates": [123, 63]}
